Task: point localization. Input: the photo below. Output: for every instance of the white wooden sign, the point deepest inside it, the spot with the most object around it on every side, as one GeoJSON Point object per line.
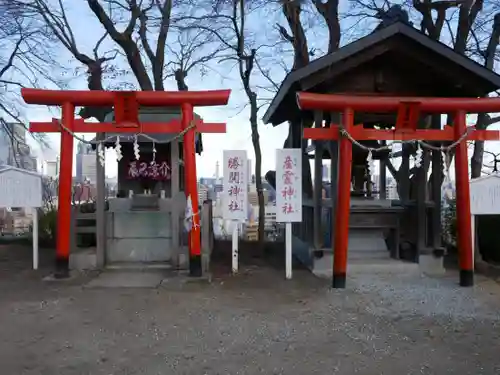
{"type": "Point", "coordinates": [235, 183]}
{"type": "Point", "coordinates": [485, 195]}
{"type": "Point", "coordinates": [289, 185]}
{"type": "Point", "coordinates": [20, 188]}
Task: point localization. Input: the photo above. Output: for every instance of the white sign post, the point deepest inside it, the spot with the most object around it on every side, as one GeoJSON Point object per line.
{"type": "Point", "coordinates": [288, 196]}
{"type": "Point", "coordinates": [20, 188]}
{"type": "Point", "coordinates": [235, 194]}
{"type": "Point", "coordinates": [484, 200]}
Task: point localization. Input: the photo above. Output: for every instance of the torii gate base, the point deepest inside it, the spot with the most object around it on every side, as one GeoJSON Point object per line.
{"type": "Point", "coordinates": [408, 111]}
{"type": "Point", "coordinates": [126, 106]}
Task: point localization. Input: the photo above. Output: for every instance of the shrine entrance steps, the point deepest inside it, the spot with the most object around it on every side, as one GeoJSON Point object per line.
{"type": "Point", "coordinates": [366, 247]}
{"type": "Point", "coordinates": [373, 238]}
{"type": "Point", "coordinates": [139, 266]}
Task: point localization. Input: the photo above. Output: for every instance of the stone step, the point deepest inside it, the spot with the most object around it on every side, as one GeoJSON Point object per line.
{"type": "Point", "coordinates": [139, 266]}
{"type": "Point", "coordinates": [324, 267]}
{"type": "Point", "coordinates": [83, 259]}
{"type": "Point", "coordinates": [364, 241]}
{"type": "Point", "coordinates": [379, 254]}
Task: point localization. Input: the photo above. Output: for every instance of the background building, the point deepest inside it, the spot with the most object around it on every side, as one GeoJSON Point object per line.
{"type": "Point", "coordinates": [51, 168]}
{"type": "Point", "coordinates": [14, 150]}
{"type": "Point", "coordinates": [86, 166]}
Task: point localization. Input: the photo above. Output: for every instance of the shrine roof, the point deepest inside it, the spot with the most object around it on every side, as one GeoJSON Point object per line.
{"type": "Point", "coordinates": [398, 36]}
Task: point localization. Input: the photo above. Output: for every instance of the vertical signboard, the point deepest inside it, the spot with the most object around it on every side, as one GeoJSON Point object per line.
{"type": "Point", "coordinates": [288, 196]}
{"type": "Point", "coordinates": [22, 188]}
{"type": "Point", "coordinates": [235, 184]}
{"type": "Point", "coordinates": [289, 185]}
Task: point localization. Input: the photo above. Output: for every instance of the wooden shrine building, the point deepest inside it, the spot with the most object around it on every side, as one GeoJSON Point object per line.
{"type": "Point", "coordinates": [394, 60]}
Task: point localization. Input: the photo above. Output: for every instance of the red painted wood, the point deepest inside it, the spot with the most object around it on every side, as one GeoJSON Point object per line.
{"type": "Point", "coordinates": [464, 234]}
{"type": "Point", "coordinates": [126, 108]}
{"type": "Point", "coordinates": [63, 240]}
{"type": "Point", "coordinates": [191, 181]}
{"type": "Point", "coordinates": [328, 102]}
{"type": "Point", "coordinates": [343, 206]}
{"type": "Point", "coordinates": [144, 98]}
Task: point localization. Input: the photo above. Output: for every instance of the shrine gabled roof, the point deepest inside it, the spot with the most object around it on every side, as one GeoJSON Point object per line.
{"type": "Point", "coordinates": [284, 103]}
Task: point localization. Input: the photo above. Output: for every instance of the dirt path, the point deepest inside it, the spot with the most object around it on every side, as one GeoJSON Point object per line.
{"type": "Point", "coordinates": [255, 323]}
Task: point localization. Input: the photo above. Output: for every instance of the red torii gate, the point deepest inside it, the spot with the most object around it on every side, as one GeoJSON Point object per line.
{"type": "Point", "coordinates": [126, 105]}
{"type": "Point", "coordinates": [408, 110]}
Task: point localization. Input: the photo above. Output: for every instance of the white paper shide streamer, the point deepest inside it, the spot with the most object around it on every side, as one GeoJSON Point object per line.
{"type": "Point", "coordinates": [189, 215]}
{"type": "Point", "coordinates": [447, 188]}
{"type": "Point", "coordinates": [370, 164]}
{"type": "Point", "coordinates": [153, 161]}
{"type": "Point", "coordinates": [118, 149]}
{"type": "Point", "coordinates": [101, 154]}
{"type": "Point", "coordinates": [137, 152]}
{"type": "Point", "coordinates": [417, 159]}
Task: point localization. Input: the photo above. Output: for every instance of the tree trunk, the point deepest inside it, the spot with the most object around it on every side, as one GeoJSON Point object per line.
{"type": "Point", "coordinates": [329, 10]}
{"type": "Point", "coordinates": [298, 39]}
{"type": "Point", "coordinates": [180, 79]}
{"type": "Point", "coordinates": [489, 62]}
{"type": "Point", "coordinates": [476, 162]}
{"type": "Point", "coordinates": [258, 167]}
{"type": "Point", "coordinates": [94, 81]}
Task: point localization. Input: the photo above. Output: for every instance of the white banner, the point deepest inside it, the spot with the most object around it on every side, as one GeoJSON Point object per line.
{"type": "Point", "coordinates": [235, 194]}
{"type": "Point", "coordinates": [289, 185]}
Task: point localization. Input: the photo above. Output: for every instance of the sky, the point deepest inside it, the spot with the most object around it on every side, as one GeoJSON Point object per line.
{"type": "Point", "coordinates": [87, 31]}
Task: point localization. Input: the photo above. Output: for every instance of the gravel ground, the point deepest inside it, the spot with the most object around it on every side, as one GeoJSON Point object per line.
{"type": "Point", "coordinates": [255, 323]}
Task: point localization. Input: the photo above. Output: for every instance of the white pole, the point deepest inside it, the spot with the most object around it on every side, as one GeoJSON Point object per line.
{"type": "Point", "coordinates": [288, 250]}
{"type": "Point", "coordinates": [35, 238]}
{"type": "Point", "coordinates": [235, 247]}
{"type": "Point", "coordinates": [473, 235]}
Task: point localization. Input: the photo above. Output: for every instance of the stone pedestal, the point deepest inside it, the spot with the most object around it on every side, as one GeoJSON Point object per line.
{"type": "Point", "coordinates": [143, 202]}
{"type": "Point", "coordinates": [432, 265]}
{"type": "Point", "coordinates": [140, 230]}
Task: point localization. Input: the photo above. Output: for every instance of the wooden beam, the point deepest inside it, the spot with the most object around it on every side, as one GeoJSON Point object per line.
{"type": "Point", "coordinates": [404, 175]}
{"type": "Point", "coordinates": [334, 164]}
{"type": "Point", "coordinates": [436, 182]}
{"type": "Point", "coordinates": [318, 183]}
{"type": "Point", "coordinates": [174, 193]}
{"type": "Point", "coordinates": [101, 214]}
{"type": "Point", "coordinates": [383, 177]}
{"type": "Point", "coordinates": [421, 210]}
